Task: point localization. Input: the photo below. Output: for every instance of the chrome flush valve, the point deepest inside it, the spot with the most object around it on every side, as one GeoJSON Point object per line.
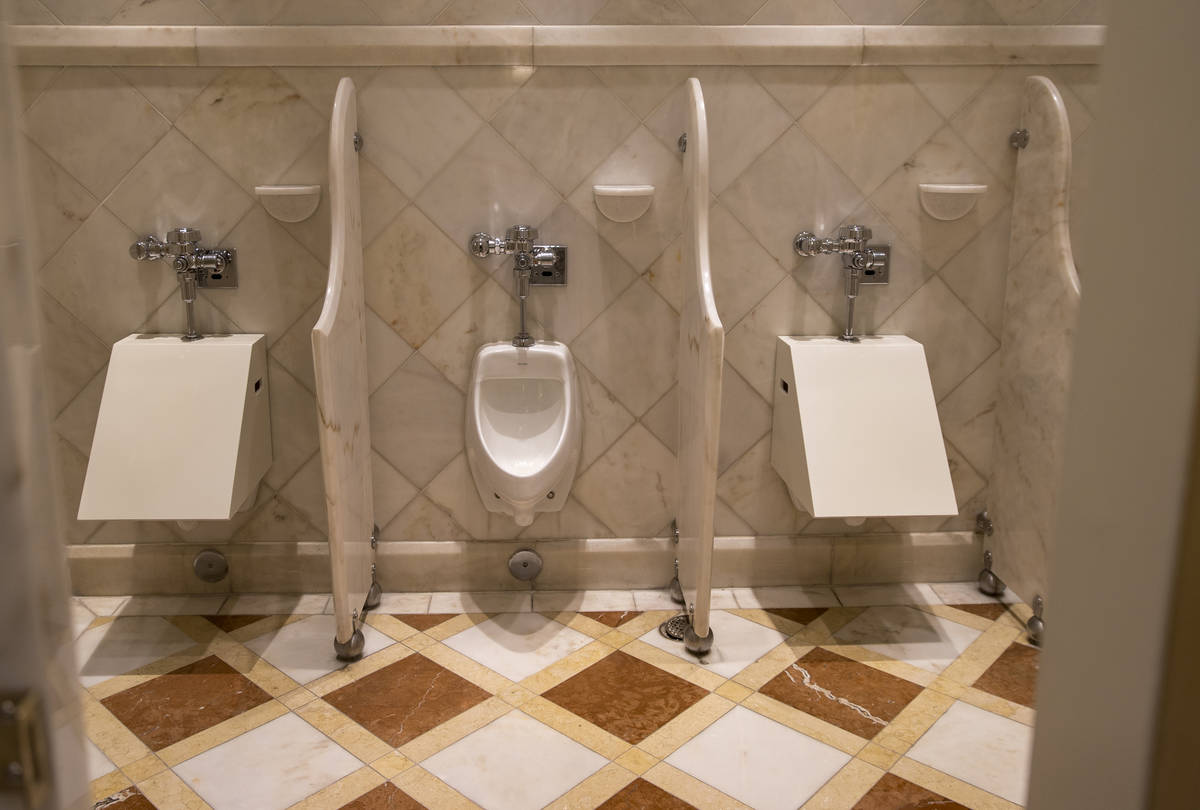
{"type": "Point", "coordinates": [863, 263]}
{"type": "Point", "coordinates": [532, 264]}
{"type": "Point", "coordinates": [194, 266]}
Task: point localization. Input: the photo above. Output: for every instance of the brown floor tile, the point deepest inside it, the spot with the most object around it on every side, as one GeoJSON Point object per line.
{"type": "Point", "coordinates": [800, 615]}
{"type": "Point", "coordinates": [231, 623]}
{"type": "Point", "coordinates": [423, 621]}
{"type": "Point", "coordinates": [1013, 676]}
{"type": "Point", "coordinates": [879, 693]}
{"type": "Point", "coordinates": [625, 696]}
{"type": "Point", "coordinates": [128, 799]}
{"type": "Point", "coordinates": [613, 618]}
{"type": "Point", "coordinates": [182, 702]}
{"type": "Point", "coordinates": [385, 797]}
{"type": "Point", "coordinates": [404, 700]}
{"type": "Point", "coordinates": [988, 610]}
{"type": "Point", "coordinates": [641, 795]}
{"type": "Point", "coordinates": [893, 793]}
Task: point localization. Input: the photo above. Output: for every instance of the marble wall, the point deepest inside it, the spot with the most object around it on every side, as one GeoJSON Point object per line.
{"type": "Point", "coordinates": [115, 153]}
{"type": "Point", "coordinates": [558, 12]}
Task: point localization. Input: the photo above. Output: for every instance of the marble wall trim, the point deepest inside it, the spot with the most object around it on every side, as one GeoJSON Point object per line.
{"type": "Point", "coordinates": [597, 45]}
{"type": "Point", "coordinates": [579, 564]}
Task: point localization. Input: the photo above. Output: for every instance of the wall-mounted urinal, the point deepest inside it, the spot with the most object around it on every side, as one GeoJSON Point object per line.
{"type": "Point", "coordinates": [184, 430]}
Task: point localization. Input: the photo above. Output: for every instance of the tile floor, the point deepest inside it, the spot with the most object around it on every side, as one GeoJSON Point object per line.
{"type": "Point", "coordinates": [862, 698]}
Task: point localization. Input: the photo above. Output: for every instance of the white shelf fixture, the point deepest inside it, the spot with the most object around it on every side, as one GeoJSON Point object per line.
{"type": "Point", "coordinates": [289, 203]}
{"type": "Point", "coordinates": [624, 203]}
{"type": "Point", "coordinates": [950, 201]}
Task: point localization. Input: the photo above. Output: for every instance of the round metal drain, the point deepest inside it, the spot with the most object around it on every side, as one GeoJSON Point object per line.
{"type": "Point", "coordinates": [675, 628]}
{"type": "Point", "coordinates": [210, 565]}
{"type": "Point", "coordinates": [525, 564]}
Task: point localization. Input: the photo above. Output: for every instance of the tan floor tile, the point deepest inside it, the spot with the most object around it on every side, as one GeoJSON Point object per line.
{"type": "Point", "coordinates": [344, 730]}
{"type": "Point", "coordinates": [431, 791]}
{"type": "Point", "coordinates": [515, 695]}
{"type": "Point", "coordinates": [805, 723]}
{"type": "Point", "coordinates": [594, 790]}
{"type": "Point", "coordinates": [649, 620]}
{"type": "Point", "coordinates": [915, 720]}
{"type": "Point", "coordinates": [459, 623]}
{"type": "Point", "coordinates": [948, 786]}
{"type": "Point", "coordinates": [384, 797]}
{"type": "Point", "coordinates": [455, 729]}
{"type": "Point", "coordinates": [117, 743]}
{"type": "Point", "coordinates": [878, 756]}
{"type": "Point", "coordinates": [168, 792]}
{"type": "Point", "coordinates": [391, 626]}
{"type": "Point", "coordinates": [229, 623]}
{"type": "Point", "coordinates": [420, 641]}
{"type": "Point", "coordinates": [144, 768]}
{"type": "Point", "coordinates": [616, 638]}
{"type": "Point", "coordinates": [846, 787]}
{"type": "Point", "coordinates": [149, 672]}
{"type": "Point", "coordinates": [998, 705]}
{"type": "Point", "coordinates": [572, 725]}
{"type": "Point", "coordinates": [612, 618]}
{"type": "Point", "coordinates": [577, 621]}
{"type": "Point", "coordinates": [881, 662]}
{"type": "Point", "coordinates": [107, 785]}
{"type": "Point", "coordinates": [963, 617]}
{"type": "Point", "coordinates": [734, 691]}
{"type": "Point", "coordinates": [636, 761]}
{"type": "Point", "coordinates": [774, 662]}
{"type": "Point", "coordinates": [222, 732]}
{"type": "Point", "coordinates": [344, 790]}
{"type": "Point", "coordinates": [688, 724]}
{"type": "Point", "coordinates": [423, 621]}
{"type": "Point", "coordinates": [267, 625]}
{"type": "Point", "coordinates": [987, 610]}
{"type": "Point", "coordinates": [198, 627]}
{"type": "Point", "coordinates": [691, 790]}
{"type": "Point", "coordinates": [296, 698]}
{"type": "Point", "coordinates": [693, 673]}
{"type": "Point", "coordinates": [391, 765]}
{"type": "Point", "coordinates": [832, 620]}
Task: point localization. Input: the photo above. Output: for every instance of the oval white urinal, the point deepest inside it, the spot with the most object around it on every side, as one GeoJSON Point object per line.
{"type": "Point", "coordinates": [523, 427]}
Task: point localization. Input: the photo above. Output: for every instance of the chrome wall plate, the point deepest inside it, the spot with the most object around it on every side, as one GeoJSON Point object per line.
{"type": "Point", "coordinates": [210, 565]}
{"type": "Point", "coordinates": [554, 275]}
{"type": "Point", "coordinates": [224, 279]}
{"type": "Point", "coordinates": [879, 271]}
{"type": "Point", "coordinates": [525, 564]}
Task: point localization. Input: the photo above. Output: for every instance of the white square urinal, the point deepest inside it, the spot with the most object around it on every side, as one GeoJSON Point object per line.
{"type": "Point", "coordinates": [184, 430]}
{"type": "Point", "coordinates": [856, 431]}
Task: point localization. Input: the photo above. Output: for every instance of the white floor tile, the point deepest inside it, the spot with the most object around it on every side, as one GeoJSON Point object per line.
{"type": "Point", "coordinates": [403, 603]}
{"type": "Point", "coordinates": [303, 650]}
{"type": "Point", "coordinates": [909, 593]}
{"type": "Point", "coordinates": [183, 605]}
{"type": "Point", "coordinates": [481, 602]}
{"type": "Point", "coordinates": [97, 763]}
{"type": "Point", "coordinates": [785, 597]}
{"type": "Point", "coordinates": [517, 644]}
{"type": "Point", "coordinates": [270, 768]}
{"type": "Point", "coordinates": [124, 644]}
{"type": "Point", "coordinates": [758, 761]}
{"type": "Point", "coordinates": [659, 599]}
{"type": "Point", "coordinates": [968, 593]}
{"type": "Point", "coordinates": [275, 604]}
{"type": "Point", "coordinates": [976, 746]}
{"type": "Point", "coordinates": [737, 643]}
{"type": "Point", "coordinates": [514, 763]}
{"type": "Point", "coordinates": [907, 634]}
{"type": "Point", "coordinates": [723, 599]}
{"type": "Point", "coordinates": [557, 601]}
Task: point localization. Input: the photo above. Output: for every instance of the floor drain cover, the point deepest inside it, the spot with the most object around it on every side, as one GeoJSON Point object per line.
{"type": "Point", "coordinates": [675, 628]}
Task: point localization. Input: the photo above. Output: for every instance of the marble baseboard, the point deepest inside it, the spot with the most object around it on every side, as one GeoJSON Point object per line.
{"type": "Point", "coordinates": [620, 563]}
{"type": "Point", "coordinates": [581, 45]}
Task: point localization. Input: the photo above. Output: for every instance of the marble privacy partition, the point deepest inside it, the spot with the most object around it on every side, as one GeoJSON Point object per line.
{"type": "Point", "coordinates": [555, 12]}
{"type": "Point", "coordinates": [1041, 310]}
{"type": "Point", "coordinates": [118, 152]}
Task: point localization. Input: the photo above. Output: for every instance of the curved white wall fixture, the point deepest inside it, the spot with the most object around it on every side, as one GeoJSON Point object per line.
{"type": "Point", "coordinates": [701, 355]}
{"type": "Point", "coordinates": [289, 203]}
{"type": "Point", "coordinates": [950, 201]}
{"type": "Point", "coordinates": [1041, 306]}
{"type": "Point", "coordinates": [623, 203]}
{"type": "Point", "coordinates": [340, 364]}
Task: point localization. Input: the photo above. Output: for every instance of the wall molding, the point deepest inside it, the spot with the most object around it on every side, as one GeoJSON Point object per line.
{"type": "Point", "coordinates": [602, 563]}
{"type": "Point", "coordinates": [580, 45]}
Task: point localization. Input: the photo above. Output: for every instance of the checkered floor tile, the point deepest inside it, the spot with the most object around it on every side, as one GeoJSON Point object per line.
{"type": "Point", "coordinates": [853, 706]}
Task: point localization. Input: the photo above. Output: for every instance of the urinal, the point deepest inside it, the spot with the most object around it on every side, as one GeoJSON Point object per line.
{"type": "Point", "coordinates": [523, 427]}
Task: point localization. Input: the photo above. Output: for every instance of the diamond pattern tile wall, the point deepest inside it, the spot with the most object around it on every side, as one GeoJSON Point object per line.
{"type": "Point", "coordinates": [451, 151]}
